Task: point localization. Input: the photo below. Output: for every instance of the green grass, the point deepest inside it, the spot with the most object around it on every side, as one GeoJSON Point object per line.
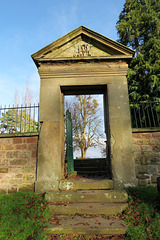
{"type": "Point", "coordinates": [142, 215]}
{"type": "Point", "coordinates": [23, 216]}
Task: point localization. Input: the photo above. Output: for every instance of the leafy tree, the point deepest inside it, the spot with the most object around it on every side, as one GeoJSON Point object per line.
{"type": "Point", "coordinates": [19, 119]}
{"type": "Point", "coordinates": [86, 123]}
{"type": "Point", "coordinates": [139, 28]}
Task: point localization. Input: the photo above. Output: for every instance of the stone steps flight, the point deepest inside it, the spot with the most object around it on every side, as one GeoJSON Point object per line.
{"type": "Point", "coordinates": [86, 206]}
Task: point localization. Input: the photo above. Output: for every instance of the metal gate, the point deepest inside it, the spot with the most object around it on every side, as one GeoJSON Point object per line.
{"type": "Point", "coordinates": [69, 143]}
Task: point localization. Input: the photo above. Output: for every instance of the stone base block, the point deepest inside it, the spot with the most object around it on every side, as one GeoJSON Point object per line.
{"type": "Point", "coordinates": [119, 185]}
{"type": "Point", "coordinates": [46, 186]}
{"type": "Point", "coordinates": [85, 184]}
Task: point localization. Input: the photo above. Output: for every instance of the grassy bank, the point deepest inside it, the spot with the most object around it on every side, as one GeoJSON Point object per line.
{"type": "Point", "coordinates": [142, 215]}
{"type": "Point", "coordinates": [23, 216]}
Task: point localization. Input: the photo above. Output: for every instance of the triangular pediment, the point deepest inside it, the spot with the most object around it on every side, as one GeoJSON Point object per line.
{"type": "Point", "coordinates": [82, 43]}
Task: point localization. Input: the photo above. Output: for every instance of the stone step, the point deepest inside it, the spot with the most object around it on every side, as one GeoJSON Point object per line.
{"type": "Point", "coordinates": [88, 208]}
{"type": "Point", "coordinates": [93, 168]}
{"type": "Point", "coordinates": [85, 225]}
{"type": "Point", "coordinates": [84, 184]}
{"type": "Point", "coordinates": [90, 162]}
{"type": "Point", "coordinates": [88, 196]}
{"type": "Point", "coordinates": [92, 173]}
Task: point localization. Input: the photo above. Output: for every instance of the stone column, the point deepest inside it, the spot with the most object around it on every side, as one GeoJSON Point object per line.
{"type": "Point", "coordinates": [123, 167]}
{"type": "Point", "coordinates": [50, 166]}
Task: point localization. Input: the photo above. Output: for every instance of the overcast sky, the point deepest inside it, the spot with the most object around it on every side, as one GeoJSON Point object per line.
{"type": "Point", "coordinates": [26, 26]}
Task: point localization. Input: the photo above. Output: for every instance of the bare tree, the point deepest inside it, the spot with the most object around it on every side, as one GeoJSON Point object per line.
{"type": "Point", "coordinates": [26, 98]}
{"type": "Point", "coordinates": [20, 118]}
{"type": "Point", "coordinates": [87, 122]}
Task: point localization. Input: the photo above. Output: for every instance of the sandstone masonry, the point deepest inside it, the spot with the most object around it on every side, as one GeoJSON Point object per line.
{"type": "Point", "coordinates": [147, 156]}
{"type": "Point", "coordinates": [18, 156]}
{"type": "Point", "coordinates": [18, 163]}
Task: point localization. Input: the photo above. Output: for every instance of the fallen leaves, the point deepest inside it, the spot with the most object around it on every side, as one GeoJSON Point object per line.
{"type": "Point", "coordinates": [84, 237]}
{"type": "Point", "coordinates": [90, 206]}
{"type": "Point", "coordinates": [98, 222]}
{"type": "Point", "coordinates": [82, 223]}
{"type": "Point", "coordinates": [60, 203]}
{"type": "Point", "coordinates": [111, 223]}
{"type": "Point", "coordinates": [55, 221]}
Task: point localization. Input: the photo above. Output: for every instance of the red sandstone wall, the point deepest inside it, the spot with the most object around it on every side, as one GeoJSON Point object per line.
{"type": "Point", "coordinates": [18, 157]}
{"type": "Point", "coordinates": [18, 163]}
{"type": "Point", "coordinates": [147, 156]}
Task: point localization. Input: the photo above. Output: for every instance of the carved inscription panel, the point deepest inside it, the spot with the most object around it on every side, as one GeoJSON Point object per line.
{"type": "Point", "coordinates": [82, 50]}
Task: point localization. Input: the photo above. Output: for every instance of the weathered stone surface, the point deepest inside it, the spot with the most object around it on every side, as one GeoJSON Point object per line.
{"type": "Point", "coordinates": [34, 154]}
{"type": "Point", "coordinates": [3, 170]}
{"type": "Point", "coordinates": [4, 161]}
{"type": "Point", "coordinates": [146, 135]}
{"type": "Point", "coordinates": [6, 141]}
{"type": "Point", "coordinates": [14, 168]}
{"type": "Point", "coordinates": [18, 162]}
{"type": "Point", "coordinates": [88, 208]}
{"type": "Point", "coordinates": [2, 154]}
{"type": "Point", "coordinates": [30, 139]}
{"type": "Point", "coordinates": [32, 162]}
{"type": "Point", "coordinates": [4, 181]}
{"type": "Point", "coordinates": [5, 185]}
{"type": "Point", "coordinates": [94, 225]}
{"type": "Point", "coordinates": [15, 181]}
{"type": "Point", "coordinates": [8, 176]}
{"type": "Point", "coordinates": [85, 184]}
{"type": "Point", "coordinates": [143, 176]}
{"type": "Point", "coordinates": [12, 154]}
{"type": "Point", "coordinates": [25, 154]}
{"type": "Point", "coordinates": [26, 188]}
{"type": "Point", "coordinates": [3, 190]}
{"type": "Point", "coordinates": [155, 141]}
{"type": "Point", "coordinates": [150, 169]}
{"type": "Point", "coordinates": [17, 140]}
{"type": "Point", "coordinates": [50, 162]}
{"type": "Point", "coordinates": [148, 160]}
{"type": "Point", "coordinates": [12, 189]}
{"type": "Point", "coordinates": [156, 148]}
{"type": "Point", "coordinates": [136, 148]}
{"type": "Point", "coordinates": [32, 146]}
{"type": "Point", "coordinates": [146, 148]}
{"type": "Point", "coordinates": [28, 169]}
{"type": "Point", "coordinates": [21, 146]}
{"type": "Point", "coordinates": [19, 175]}
{"type": "Point", "coordinates": [7, 147]}
{"type": "Point", "coordinates": [42, 187]}
{"type": "Point", "coordinates": [29, 178]}
{"type": "Point", "coordinates": [156, 134]}
{"type": "Point", "coordinates": [143, 182]}
{"type": "Point", "coordinates": [87, 196]}
{"type": "Point", "coordinates": [137, 160]}
{"type": "Point", "coordinates": [141, 141]}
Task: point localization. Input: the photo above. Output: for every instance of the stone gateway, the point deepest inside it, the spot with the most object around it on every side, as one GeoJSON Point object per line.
{"type": "Point", "coordinates": [83, 62]}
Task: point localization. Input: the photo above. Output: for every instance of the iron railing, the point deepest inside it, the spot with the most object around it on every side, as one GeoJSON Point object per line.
{"type": "Point", "coordinates": [145, 114]}
{"type": "Point", "coordinates": [25, 119]}
{"type": "Point", "coordinates": [19, 119]}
